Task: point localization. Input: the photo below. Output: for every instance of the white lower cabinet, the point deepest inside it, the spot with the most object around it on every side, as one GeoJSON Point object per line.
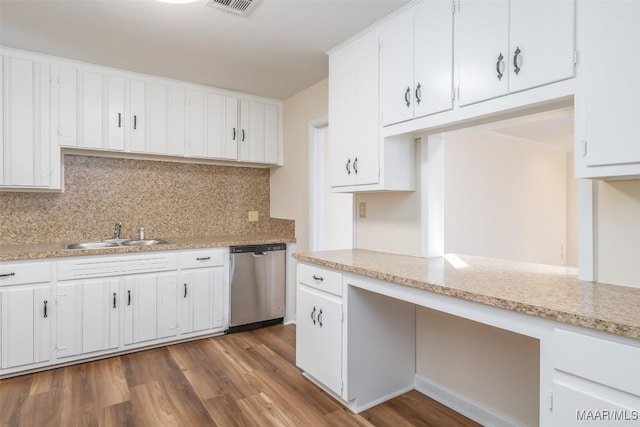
{"type": "Point", "coordinates": [87, 317]}
{"type": "Point", "coordinates": [319, 329]}
{"type": "Point", "coordinates": [319, 337]}
{"type": "Point", "coordinates": [150, 310]}
{"type": "Point", "coordinates": [596, 380]}
{"type": "Point", "coordinates": [68, 310]}
{"type": "Point", "coordinates": [26, 325]}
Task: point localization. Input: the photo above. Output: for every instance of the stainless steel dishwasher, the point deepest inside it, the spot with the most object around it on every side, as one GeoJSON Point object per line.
{"type": "Point", "coordinates": [257, 277]}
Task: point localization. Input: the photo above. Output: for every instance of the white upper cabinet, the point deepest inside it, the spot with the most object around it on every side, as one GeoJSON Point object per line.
{"type": "Point", "coordinates": [359, 158]}
{"type": "Point", "coordinates": [417, 62]}
{"type": "Point", "coordinates": [221, 132]}
{"type": "Point", "coordinates": [29, 155]}
{"type": "Point", "coordinates": [606, 103]}
{"type": "Point", "coordinates": [512, 45]}
{"type": "Point", "coordinates": [258, 132]}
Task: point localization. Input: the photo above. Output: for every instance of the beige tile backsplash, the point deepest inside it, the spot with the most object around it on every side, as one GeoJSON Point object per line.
{"type": "Point", "coordinates": [166, 198]}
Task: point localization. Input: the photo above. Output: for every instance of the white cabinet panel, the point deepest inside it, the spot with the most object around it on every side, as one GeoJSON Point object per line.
{"type": "Point", "coordinates": [167, 310]}
{"type": "Point", "coordinates": [201, 300]}
{"type": "Point", "coordinates": [29, 157]}
{"type": "Point", "coordinates": [319, 337]}
{"type": "Point", "coordinates": [231, 127]}
{"type": "Point", "coordinates": [256, 134]}
{"type": "Point", "coordinates": [140, 316]}
{"type": "Point", "coordinates": [25, 327]}
{"type": "Point", "coordinates": [68, 319]}
{"type": "Point", "coordinates": [341, 106]}
{"type": "Point", "coordinates": [67, 107]}
{"type": "Point", "coordinates": [177, 119]}
{"type": "Point", "coordinates": [137, 97]}
{"type": "Point", "coordinates": [91, 110]}
{"type": "Point", "coordinates": [197, 124]}
{"type": "Point", "coordinates": [606, 104]}
{"type": "Point", "coordinates": [542, 32]}
{"type": "Point", "coordinates": [483, 50]}
{"type": "Point", "coordinates": [244, 137]}
{"type": "Point", "coordinates": [271, 134]}
{"type": "Point", "coordinates": [215, 126]}
{"type": "Point", "coordinates": [115, 111]}
{"type": "Point", "coordinates": [155, 123]}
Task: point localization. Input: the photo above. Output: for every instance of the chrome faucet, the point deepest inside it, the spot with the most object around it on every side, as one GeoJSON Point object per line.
{"type": "Point", "coordinates": [116, 230]}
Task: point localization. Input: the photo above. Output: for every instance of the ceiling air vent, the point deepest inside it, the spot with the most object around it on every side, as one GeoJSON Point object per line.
{"type": "Point", "coordinates": [240, 7]}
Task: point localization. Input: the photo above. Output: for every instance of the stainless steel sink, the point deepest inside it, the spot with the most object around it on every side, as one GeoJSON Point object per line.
{"type": "Point", "coordinates": [146, 242]}
{"type": "Point", "coordinates": [117, 243]}
{"type": "Point", "coordinates": [91, 245]}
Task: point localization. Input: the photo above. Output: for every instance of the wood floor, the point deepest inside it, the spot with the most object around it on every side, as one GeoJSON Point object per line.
{"type": "Point", "coordinates": [244, 379]}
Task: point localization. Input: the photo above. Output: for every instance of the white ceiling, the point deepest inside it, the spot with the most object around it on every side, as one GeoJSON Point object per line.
{"type": "Point", "coordinates": [276, 51]}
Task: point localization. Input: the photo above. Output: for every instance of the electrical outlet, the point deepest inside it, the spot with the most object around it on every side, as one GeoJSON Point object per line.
{"type": "Point", "coordinates": [362, 208]}
{"type": "Point", "coordinates": [253, 216]}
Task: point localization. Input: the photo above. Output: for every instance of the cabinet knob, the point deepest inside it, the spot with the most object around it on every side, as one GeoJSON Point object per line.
{"type": "Point", "coordinates": [406, 96]}
{"type": "Point", "coordinates": [516, 56]}
{"type": "Point", "coordinates": [500, 66]}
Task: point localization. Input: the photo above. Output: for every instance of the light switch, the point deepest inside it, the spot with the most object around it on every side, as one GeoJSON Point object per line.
{"type": "Point", "coordinates": [362, 208]}
{"type": "Point", "coordinates": [253, 216]}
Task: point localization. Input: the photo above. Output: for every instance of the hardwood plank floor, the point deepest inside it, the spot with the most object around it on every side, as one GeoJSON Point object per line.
{"type": "Point", "coordinates": [244, 379]}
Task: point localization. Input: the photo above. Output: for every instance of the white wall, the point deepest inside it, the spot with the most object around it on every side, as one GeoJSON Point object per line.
{"type": "Point", "coordinates": [290, 183]}
{"type": "Point", "coordinates": [618, 232]}
{"type": "Point", "coordinates": [393, 220]}
{"type": "Point", "coordinates": [505, 199]}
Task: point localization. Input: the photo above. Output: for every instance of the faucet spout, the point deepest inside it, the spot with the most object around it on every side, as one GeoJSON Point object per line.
{"type": "Point", "coordinates": [117, 230]}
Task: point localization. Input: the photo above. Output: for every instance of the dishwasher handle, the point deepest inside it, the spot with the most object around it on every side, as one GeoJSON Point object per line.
{"type": "Point", "coordinates": [259, 253]}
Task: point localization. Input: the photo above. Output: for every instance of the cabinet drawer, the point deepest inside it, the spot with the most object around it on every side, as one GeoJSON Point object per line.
{"type": "Point", "coordinates": [205, 258]}
{"type": "Point", "coordinates": [320, 278]}
{"type": "Point", "coordinates": [24, 273]}
{"type": "Point", "coordinates": [606, 362]}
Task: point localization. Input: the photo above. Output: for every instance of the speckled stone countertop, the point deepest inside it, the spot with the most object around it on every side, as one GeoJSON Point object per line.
{"type": "Point", "coordinates": [56, 250]}
{"type": "Point", "coordinates": [549, 292]}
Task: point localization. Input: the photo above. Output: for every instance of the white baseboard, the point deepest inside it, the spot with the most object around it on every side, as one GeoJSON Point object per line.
{"type": "Point", "coordinates": [359, 408]}
{"type": "Point", "coordinates": [459, 403]}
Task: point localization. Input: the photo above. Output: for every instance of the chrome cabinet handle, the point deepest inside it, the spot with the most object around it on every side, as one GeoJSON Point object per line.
{"type": "Point", "coordinates": [320, 318]}
{"type": "Point", "coordinates": [185, 290]}
{"type": "Point", "coordinates": [128, 297]}
{"type": "Point", "coordinates": [418, 93]}
{"type": "Point", "coordinates": [114, 300]}
{"type": "Point", "coordinates": [499, 66]}
{"type": "Point", "coordinates": [516, 54]}
{"type": "Point", "coordinates": [406, 96]}
{"type": "Point", "coordinates": [313, 313]}
{"type": "Point", "coordinates": [45, 308]}
{"type": "Point", "coordinates": [349, 167]}
{"type": "Point", "coordinates": [318, 278]}
{"type": "Point", "coordinates": [355, 165]}
{"type": "Point", "coordinates": [6, 276]}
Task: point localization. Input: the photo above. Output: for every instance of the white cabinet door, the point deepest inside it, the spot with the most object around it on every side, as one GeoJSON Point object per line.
{"type": "Point", "coordinates": [319, 337]}
{"type": "Point", "coordinates": [201, 300]}
{"type": "Point", "coordinates": [244, 138]}
{"type": "Point", "coordinates": [271, 133]}
{"type": "Point", "coordinates": [137, 112]}
{"type": "Point", "coordinates": [608, 101]}
{"type": "Point", "coordinates": [433, 57]}
{"type": "Point", "coordinates": [397, 69]}
{"type": "Point", "coordinates": [341, 105]}
{"type": "Point", "coordinates": [87, 317]}
{"type": "Point", "coordinates": [256, 135]}
{"type": "Point", "coordinates": [167, 306]}
{"type": "Point", "coordinates": [231, 127]}
{"type": "Point", "coordinates": [29, 157]}
{"type": "Point", "coordinates": [176, 119]}
{"type": "Point", "coordinates": [140, 309]}
{"type": "Point", "coordinates": [25, 327]}
{"type": "Point", "coordinates": [197, 124]}
{"type": "Point", "coordinates": [67, 131]}
{"type": "Point", "coordinates": [573, 406]}
{"type": "Point", "coordinates": [215, 126]}
{"type": "Point", "coordinates": [542, 42]}
{"type": "Point", "coordinates": [365, 114]}
{"type": "Point", "coordinates": [483, 50]}
{"type": "Point", "coordinates": [102, 100]}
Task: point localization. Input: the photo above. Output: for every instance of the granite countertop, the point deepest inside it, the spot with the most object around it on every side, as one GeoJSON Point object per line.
{"type": "Point", "coordinates": [545, 291]}
{"type": "Point", "coordinates": [56, 249]}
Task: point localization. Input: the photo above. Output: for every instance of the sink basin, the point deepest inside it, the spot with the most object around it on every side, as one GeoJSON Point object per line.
{"type": "Point", "coordinates": [146, 242]}
{"type": "Point", "coordinates": [91, 245]}
{"type": "Point", "coordinates": [117, 243]}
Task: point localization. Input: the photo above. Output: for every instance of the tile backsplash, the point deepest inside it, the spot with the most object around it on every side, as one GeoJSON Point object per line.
{"type": "Point", "coordinates": [168, 199]}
